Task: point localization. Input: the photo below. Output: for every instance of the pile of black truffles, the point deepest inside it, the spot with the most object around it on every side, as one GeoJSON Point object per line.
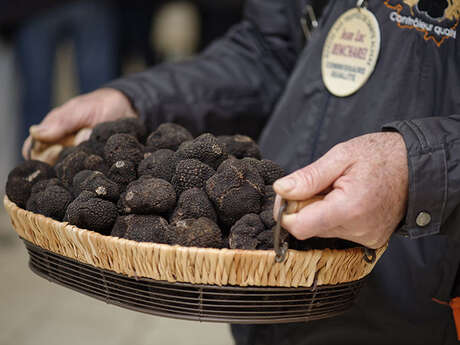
{"type": "Point", "coordinates": [164, 187]}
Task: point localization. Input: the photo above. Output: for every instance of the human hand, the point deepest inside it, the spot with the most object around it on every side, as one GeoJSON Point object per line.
{"type": "Point", "coordinates": [366, 184]}
{"type": "Point", "coordinates": [80, 112]}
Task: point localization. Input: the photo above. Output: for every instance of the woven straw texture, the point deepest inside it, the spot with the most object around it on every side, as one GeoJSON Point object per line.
{"type": "Point", "coordinates": [190, 264]}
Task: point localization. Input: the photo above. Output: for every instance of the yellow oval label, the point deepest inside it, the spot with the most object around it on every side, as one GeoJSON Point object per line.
{"type": "Point", "coordinates": [350, 52]}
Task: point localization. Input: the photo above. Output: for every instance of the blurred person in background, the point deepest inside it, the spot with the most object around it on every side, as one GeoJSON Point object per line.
{"type": "Point", "coordinates": [36, 29]}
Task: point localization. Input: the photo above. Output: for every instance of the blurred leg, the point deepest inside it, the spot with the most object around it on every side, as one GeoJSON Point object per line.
{"type": "Point", "coordinates": [35, 47]}
{"type": "Point", "coordinates": [95, 30]}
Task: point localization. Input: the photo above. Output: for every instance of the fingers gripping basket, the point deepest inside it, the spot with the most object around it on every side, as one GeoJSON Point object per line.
{"type": "Point", "coordinates": [241, 286]}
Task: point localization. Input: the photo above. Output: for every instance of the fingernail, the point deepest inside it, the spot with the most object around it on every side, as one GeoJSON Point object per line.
{"type": "Point", "coordinates": [285, 185]}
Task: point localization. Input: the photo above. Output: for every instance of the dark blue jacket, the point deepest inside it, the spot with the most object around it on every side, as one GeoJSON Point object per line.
{"type": "Point", "coordinates": [262, 70]}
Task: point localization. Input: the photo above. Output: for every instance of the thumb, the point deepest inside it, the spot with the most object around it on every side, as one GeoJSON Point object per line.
{"type": "Point", "coordinates": [314, 178]}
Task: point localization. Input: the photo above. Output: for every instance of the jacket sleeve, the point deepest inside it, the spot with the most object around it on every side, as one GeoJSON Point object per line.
{"type": "Point", "coordinates": [242, 73]}
{"type": "Point", "coordinates": [433, 150]}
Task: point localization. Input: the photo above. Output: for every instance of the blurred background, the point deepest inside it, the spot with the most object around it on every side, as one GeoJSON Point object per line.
{"type": "Point", "coordinates": [50, 51]}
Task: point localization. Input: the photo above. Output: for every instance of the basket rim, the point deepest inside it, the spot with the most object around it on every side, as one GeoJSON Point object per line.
{"type": "Point", "coordinates": [198, 265]}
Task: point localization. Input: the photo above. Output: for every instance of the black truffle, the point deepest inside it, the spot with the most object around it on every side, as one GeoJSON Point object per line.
{"type": "Point", "coordinates": [201, 232]}
{"type": "Point", "coordinates": [122, 173]}
{"type": "Point", "coordinates": [160, 164]}
{"type": "Point", "coordinates": [239, 146]}
{"type": "Point", "coordinates": [123, 147]}
{"type": "Point", "coordinates": [23, 177]}
{"type": "Point", "coordinates": [141, 228]}
{"type": "Point", "coordinates": [193, 203]}
{"type": "Point", "coordinates": [40, 186]}
{"type": "Point", "coordinates": [149, 195]}
{"type": "Point", "coordinates": [50, 202]}
{"type": "Point", "coordinates": [270, 171]}
{"type": "Point", "coordinates": [205, 148]}
{"type": "Point", "coordinates": [97, 163]}
{"type": "Point", "coordinates": [267, 218]}
{"type": "Point", "coordinates": [191, 173]}
{"type": "Point", "coordinates": [92, 213]}
{"type": "Point", "coordinates": [266, 238]}
{"type": "Point", "coordinates": [235, 191]}
{"type": "Point", "coordinates": [133, 126]}
{"type": "Point", "coordinates": [96, 182]}
{"type": "Point", "coordinates": [87, 147]}
{"type": "Point", "coordinates": [269, 198]}
{"type": "Point", "coordinates": [167, 136]}
{"type": "Point", "coordinates": [243, 234]}
{"type": "Point", "coordinates": [70, 166]}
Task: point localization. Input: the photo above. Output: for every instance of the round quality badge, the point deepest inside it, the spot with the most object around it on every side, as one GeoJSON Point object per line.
{"type": "Point", "coordinates": [350, 52]}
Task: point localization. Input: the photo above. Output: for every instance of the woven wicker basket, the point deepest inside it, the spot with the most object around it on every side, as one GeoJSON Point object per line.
{"type": "Point", "coordinates": [189, 264]}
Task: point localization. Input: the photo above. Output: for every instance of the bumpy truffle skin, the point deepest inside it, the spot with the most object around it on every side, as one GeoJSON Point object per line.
{"type": "Point", "coordinates": [97, 163]}
{"type": "Point", "coordinates": [92, 213]}
{"type": "Point", "coordinates": [50, 202]}
{"type": "Point", "coordinates": [133, 126]}
{"type": "Point", "coordinates": [167, 136]}
{"type": "Point", "coordinates": [96, 182]}
{"type": "Point", "coordinates": [160, 164]}
{"type": "Point", "coordinates": [123, 147]}
{"type": "Point", "coordinates": [23, 177]}
{"type": "Point", "coordinates": [70, 166]}
{"type": "Point", "coordinates": [265, 238]}
{"type": "Point", "coordinates": [269, 198]}
{"type": "Point", "coordinates": [235, 191]}
{"type": "Point", "coordinates": [191, 173]}
{"type": "Point", "coordinates": [267, 218]}
{"type": "Point", "coordinates": [40, 186]}
{"type": "Point", "coordinates": [141, 228]}
{"type": "Point", "coordinates": [270, 171]}
{"type": "Point", "coordinates": [201, 232]}
{"type": "Point", "coordinates": [149, 195]}
{"type": "Point", "coordinates": [193, 203]}
{"type": "Point", "coordinates": [243, 234]}
{"type": "Point", "coordinates": [86, 146]}
{"type": "Point", "coordinates": [205, 148]}
{"type": "Point", "coordinates": [122, 173]}
{"type": "Point", "coordinates": [239, 146]}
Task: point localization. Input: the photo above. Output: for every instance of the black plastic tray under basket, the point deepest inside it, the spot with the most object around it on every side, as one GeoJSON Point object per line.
{"type": "Point", "coordinates": [230, 304]}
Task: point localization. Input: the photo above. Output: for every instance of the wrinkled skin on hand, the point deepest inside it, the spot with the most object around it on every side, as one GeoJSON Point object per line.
{"type": "Point", "coordinates": [84, 111]}
{"type": "Point", "coordinates": [365, 182]}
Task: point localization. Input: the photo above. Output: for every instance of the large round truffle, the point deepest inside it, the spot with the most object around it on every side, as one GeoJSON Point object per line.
{"type": "Point", "coordinates": [123, 147]}
{"type": "Point", "coordinates": [205, 148]}
{"type": "Point", "coordinates": [96, 182]}
{"type": "Point", "coordinates": [23, 177]}
{"type": "Point", "coordinates": [122, 173]}
{"type": "Point", "coordinates": [133, 126]}
{"type": "Point", "coordinates": [191, 173]}
{"type": "Point", "coordinates": [92, 213]}
{"type": "Point", "coordinates": [70, 166]}
{"type": "Point", "coordinates": [167, 136]}
{"type": "Point", "coordinates": [50, 202]}
{"type": "Point", "coordinates": [193, 203]}
{"type": "Point", "coordinates": [235, 191]}
{"type": "Point", "coordinates": [160, 164]}
{"type": "Point", "coordinates": [201, 232]}
{"type": "Point", "coordinates": [149, 195]}
{"type": "Point", "coordinates": [239, 146]}
{"type": "Point", "coordinates": [243, 234]}
{"type": "Point", "coordinates": [141, 228]}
